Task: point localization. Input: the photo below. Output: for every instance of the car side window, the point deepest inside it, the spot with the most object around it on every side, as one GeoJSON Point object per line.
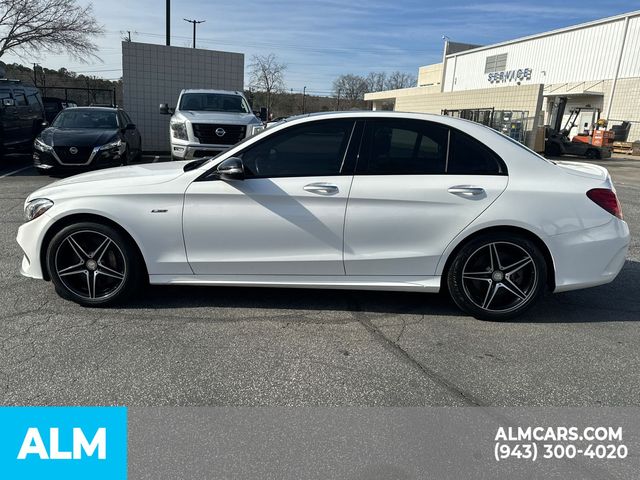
{"type": "Point", "coordinates": [4, 93]}
{"type": "Point", "coordinates": [32, 99]}
{"type": "Point", "coordinates": [404, 147]}
{"type": "Point", "coordinates": [21, 100]}
{"type": "Point", "coordinates": [468, 156]}
{"type": "Point", "coordinates": [311, 149]}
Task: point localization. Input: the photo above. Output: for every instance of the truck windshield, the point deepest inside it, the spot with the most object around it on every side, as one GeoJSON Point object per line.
{"type": "Point", "coordinates": [213, 102]}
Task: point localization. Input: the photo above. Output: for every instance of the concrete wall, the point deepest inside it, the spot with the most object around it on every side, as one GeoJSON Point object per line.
{"type": "Point", "coordinates": [430, 75]}
{"type": "Point", "coordinates": [523, 97]}
{"type": "Point", "coordinates": [155, 74]}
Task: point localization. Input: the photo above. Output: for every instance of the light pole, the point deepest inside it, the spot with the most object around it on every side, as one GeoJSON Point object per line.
{"type": "Point", "coordinates": [195, 23]}
{"type": "Point", "coordinates": [304, 93]}
{"type": "Point", "coordinates": [168, 20]}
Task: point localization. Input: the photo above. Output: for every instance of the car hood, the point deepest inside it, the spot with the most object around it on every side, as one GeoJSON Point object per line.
{"type": "Point", "coordinates": [77, 137]}
{"type": "Point", "coordinates": [112, 180]}
{"type": "Point", "coordinates": [217, 117]}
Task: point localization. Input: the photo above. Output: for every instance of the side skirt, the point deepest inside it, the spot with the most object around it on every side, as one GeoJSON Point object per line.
{"type": "Point", "coordinates": [401, 283]}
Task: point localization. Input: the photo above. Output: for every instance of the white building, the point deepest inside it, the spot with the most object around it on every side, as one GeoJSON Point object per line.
{"type": "Point", "coordinates": [594, 65]}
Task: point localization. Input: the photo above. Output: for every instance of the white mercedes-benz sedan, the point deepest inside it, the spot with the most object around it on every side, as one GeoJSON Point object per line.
{"type": "Point", "coordinates": [358, 200]}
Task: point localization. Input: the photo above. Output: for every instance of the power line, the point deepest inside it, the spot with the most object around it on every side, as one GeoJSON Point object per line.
{"type": "Point", "coordinates": [195, 24]}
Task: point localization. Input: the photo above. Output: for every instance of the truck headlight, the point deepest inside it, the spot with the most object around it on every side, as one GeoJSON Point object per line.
{"type": "Point", "coordinates": [38, 144]}
{"type": "Point", "coordinates": [255, 129]}
{"type": "Point", "coordinates": [36, 207]}
{"type": "Point", "coordinates": [179, 130]}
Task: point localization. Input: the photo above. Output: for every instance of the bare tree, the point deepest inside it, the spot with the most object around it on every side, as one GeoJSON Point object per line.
{"type": "Point", "coordinates": [32, 27]}
{"type": "Point", "coordinates": [376, 81]}
{"type": "Point", "coordinates": [397, 80]}
{"type": "Point", "coordinates": [266, 74]}
{"type": "Point", "coordinates": [350, 87]}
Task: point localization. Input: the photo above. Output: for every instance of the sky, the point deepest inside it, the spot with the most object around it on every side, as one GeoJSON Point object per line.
{"type": "Point", "coordinates": [320, 40]}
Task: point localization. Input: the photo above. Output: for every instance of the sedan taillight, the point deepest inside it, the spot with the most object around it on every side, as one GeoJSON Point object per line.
{"type": "Point", "coordinates": [606, 199]}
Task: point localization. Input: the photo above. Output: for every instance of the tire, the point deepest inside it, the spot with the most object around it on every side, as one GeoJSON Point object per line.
{"type": "Point", "coordinates": [553, 150]}
{"type": "Point", "coordinates": [93, 265]}
{"type": "Point", "coordinates": [126, 158]}
{"type": "Point", "coordinates": [592, 154]}
{"type": "Point", "coordinates": [499, 286]}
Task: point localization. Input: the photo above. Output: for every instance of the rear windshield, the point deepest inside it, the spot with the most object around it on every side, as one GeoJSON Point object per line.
{"type": "Point", "coordinates": [214, 102]}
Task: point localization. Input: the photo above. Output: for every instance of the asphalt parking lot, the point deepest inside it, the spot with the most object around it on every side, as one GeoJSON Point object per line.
{"type": "Point", "coordinates": [250, 347]}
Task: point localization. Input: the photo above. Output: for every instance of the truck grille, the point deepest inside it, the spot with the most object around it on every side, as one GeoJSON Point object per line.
{"type": "Point", "coordinates": [206, 133]}
{"type": "Point", "coordinates": [68, 158]}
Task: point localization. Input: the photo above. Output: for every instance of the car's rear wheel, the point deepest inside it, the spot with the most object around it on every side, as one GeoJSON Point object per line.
{"type": "Point", "coordinates": [93, 264]}
{"type": "Point", "coordinates": [497, 276]}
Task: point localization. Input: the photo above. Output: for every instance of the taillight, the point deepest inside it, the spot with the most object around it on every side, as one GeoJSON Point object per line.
{"type": "Point", "coordinates": [607, 199]}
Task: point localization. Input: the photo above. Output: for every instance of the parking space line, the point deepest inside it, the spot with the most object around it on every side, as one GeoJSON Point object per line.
{"type": "Point", "coordinates": [15, 171]}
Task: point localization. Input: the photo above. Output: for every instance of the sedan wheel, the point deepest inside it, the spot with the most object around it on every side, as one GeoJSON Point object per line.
{"type": "Point", "coordinates": [92, 264]}
{"type": "Point", "coordinates": [497, 277]}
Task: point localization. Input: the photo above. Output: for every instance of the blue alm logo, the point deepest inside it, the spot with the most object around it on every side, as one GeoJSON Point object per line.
{"type": "Point", "coordinates": [63, 442]}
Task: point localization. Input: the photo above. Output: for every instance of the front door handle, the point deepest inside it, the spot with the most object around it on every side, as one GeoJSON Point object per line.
{"type": "Point", "coordinates": [467, 190]}
{"type": "Point", "coordinates": [322, 188]}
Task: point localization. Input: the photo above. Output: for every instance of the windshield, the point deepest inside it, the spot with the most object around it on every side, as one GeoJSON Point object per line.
{"type": "Point", "coordinates": [214, 102]}
{"type": "Point", "coordinates": [86, 119]}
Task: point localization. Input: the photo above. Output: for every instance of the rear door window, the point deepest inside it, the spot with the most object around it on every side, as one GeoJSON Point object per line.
{"type": "Point", "coordinates": [468, 156]}
{"type": "Point", "coordinates": [404, 147]}
{"type": "Point", "coordinates": [21, 100]}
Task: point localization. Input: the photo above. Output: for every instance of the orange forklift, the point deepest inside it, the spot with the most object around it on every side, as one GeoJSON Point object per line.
{"type": "Point", "coordinates": [592, 145]}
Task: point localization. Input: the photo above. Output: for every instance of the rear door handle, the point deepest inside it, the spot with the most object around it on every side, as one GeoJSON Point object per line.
{"type": "Point", "coordinates": [322, 188]}
{"type": "Point", "coordinates": [467, 190]}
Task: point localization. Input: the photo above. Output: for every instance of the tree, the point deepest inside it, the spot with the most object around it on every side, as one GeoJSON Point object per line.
{"type": "Point", "coordinates": [398, 80]}
{"type": "Point", "coordinates": [350, 87]}
{"type": "Point", "coordinates": [266, 74]}
{"type": "Point", "coordinates": [32, 27]}
{"type": "Point", "coordinates": [376, 81]}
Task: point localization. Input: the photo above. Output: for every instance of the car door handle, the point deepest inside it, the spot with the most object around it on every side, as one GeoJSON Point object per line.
{"type": "Point", "coordinates": [322, 188]}
{"type": "Point", "coordinates": [467, 190]}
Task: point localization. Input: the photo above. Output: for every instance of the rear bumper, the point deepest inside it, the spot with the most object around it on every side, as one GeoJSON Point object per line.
{"type": "Point", "coordinates": [590, 257]}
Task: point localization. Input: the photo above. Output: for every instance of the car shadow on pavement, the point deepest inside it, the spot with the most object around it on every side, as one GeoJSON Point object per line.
{"type": "Point", "coordinates": [618, 301]}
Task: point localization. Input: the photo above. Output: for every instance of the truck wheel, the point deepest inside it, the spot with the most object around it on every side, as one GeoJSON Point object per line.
{"type": "Point", "coordinates": [553, 150]}
{"type": "Point", "coordinates": [592, 154]}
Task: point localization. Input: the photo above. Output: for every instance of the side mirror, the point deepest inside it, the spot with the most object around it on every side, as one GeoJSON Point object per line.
{"type": "Point", "coordinates": [231, 169]}
{"type": "Point", "coordinates": [8, 102]}
{"type": "Point", "coordinates": [130, 126]}
{"type": "Point", "coordinates": [164, 109]}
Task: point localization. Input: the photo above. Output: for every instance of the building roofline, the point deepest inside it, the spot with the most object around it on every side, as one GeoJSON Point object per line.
{"type": "Point", "coordinates": [614, 18]}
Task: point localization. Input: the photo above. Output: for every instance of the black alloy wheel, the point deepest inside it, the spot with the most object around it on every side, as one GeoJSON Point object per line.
{"type": "Point", "coordinates": [93, 264]}
{"type": "Point", "coordinates": [497, 276]}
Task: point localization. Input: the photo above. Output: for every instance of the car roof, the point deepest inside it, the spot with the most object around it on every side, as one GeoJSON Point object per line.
{"type": "Point", "coordinates": [209, 90]}
{"type": "Point", "coordinates": [96, 109]}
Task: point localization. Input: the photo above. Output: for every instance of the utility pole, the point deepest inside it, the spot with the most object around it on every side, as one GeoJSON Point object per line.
{"type": "Point", "coordinates": [338, 101]}
{"type": "Point", "coordinates": [168, 19]}
{"type": "Point", "coordinates": [35, 78]}
{"type": "Point", "coordinates": [304, 93]}
{"type": "Point", "coordinates": [195, 23]}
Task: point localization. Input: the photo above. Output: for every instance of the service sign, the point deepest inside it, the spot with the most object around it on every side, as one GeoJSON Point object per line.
{"type": "Point", "coordinates": [510, 75]}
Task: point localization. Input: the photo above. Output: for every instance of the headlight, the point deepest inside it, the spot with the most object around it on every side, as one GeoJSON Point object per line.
{"type": "Point", "coordinates": [179, 130]}
{"type": "Point", "coordinates": [36, 207]}
{"type": "Point", "coordinates": [119, 144]}
{"type": "Point", "coordinates": [255, 129]}
{"type": "Point", "coordinates": [38, 144]}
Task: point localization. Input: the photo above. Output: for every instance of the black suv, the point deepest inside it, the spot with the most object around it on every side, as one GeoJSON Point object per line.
{"type": "Point", "coordinates": [21, 115]}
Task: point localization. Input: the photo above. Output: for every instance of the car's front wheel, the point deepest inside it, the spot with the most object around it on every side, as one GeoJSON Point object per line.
{"type": "Point", "coordinates": [497, 276]}
{"type": "Point", "coordinates": [93, 264]}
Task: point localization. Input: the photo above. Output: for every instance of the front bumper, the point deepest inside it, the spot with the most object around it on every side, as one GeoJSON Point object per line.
{"type": "Point", "coordinates": [103, 159]}
{"type": "Point", "coordinates": [590, 257]}
{"type": "Point", "coordinates": [30, 238]}
{"type": "Point", "coordinates": [189, 151]}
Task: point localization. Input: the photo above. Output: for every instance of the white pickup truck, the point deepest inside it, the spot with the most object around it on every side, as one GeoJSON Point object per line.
{"type": "Point", "coordinates": [207, 122]}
